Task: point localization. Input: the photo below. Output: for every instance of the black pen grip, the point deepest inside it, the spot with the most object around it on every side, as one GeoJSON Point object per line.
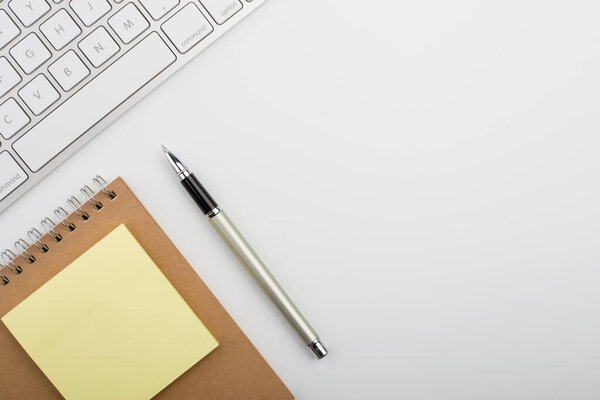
{"type": "Point", "coordinates": [199, 194]}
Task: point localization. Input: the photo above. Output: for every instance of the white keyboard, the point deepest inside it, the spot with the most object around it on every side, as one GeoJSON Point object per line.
{"type": "Point", "coordinates": [69, 68]}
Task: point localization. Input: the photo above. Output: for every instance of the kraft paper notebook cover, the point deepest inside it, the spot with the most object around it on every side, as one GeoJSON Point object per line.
{"type": "Point", "coordinates": [232, 370]}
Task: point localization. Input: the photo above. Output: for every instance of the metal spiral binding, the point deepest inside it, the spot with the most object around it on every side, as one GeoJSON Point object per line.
{"type": "Point", "coordinates": [102, 184]}
{"type": "Point", "coordinates": [8, 257]}
{"type": "Point", "coordinates": [21, 246]}
{"type": "Point", "coordinates": [76, 206]}
{"type": "Point", "coordinates": [48, 226]}
{"type": "Point", "coordinates": [36, 237]}
{"type": "Point", "coordinates": [89, 194]}
{"type": "Point", "coordinates": [63, 217]}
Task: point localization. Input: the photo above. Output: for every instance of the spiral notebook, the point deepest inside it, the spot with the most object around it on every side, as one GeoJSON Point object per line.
{"type": "Point", "coordinates": [220, 364]}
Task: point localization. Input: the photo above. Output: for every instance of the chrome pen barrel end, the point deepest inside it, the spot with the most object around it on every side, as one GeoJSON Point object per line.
{"type": "Point", "coordinates": [318, 348]}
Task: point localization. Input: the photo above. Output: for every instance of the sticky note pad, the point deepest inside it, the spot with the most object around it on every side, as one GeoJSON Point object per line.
{"type": "Point", "coordinates": [110, 325]}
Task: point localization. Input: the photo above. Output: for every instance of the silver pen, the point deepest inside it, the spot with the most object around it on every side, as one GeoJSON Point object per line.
{"type": "Point", "coordinates": [247, 256]}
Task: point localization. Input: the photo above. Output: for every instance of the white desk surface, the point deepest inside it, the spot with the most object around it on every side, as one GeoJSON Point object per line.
{"type": "Point", "coordinates": [421, 177]}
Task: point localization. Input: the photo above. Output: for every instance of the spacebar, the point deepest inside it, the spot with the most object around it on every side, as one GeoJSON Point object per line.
{"type": "Point", "coordinates": [93, 102]}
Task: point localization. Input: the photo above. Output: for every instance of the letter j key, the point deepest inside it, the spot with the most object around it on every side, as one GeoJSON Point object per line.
{"type": "Point", "coordinates": [90, 11]}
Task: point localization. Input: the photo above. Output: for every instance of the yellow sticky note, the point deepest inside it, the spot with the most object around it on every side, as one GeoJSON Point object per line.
{"type": "Point", "coordinates": [110, 326]}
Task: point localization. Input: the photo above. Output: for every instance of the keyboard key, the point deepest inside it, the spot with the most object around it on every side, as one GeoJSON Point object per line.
{"type": "Point", "coordinates": [90, 11]}
{"type": "Point", "coordinates": [222, 10]}
{"type": "Point", "coordinates": [8, 76]}
{"type": "Point", "coordinates": [94, 101]}
{"type": "Point", "coordinates": [8, 29]}
{"type": "Point", "coordinates": [69, 70]}
{"type": "Point", "coordinates": [128, 23]}
{"type": "Point", "coordinates": [12, 118]}
{"type": "Point", "coordinates": [30, 53]}
{"type": "Point", "coordinates": [29, 11]}
{"type": "Point", "coordinates": [98, 47]}
{"type": "Point", "coordinates": [60, 29]}
{"type": "Point", "coordinates": [11, 175]}
{"type": "Point", "coordinates": [159, 8]}
{"type": "Point", "coordinates": [39, 94]}
{"type": "Point", "coordinates": [187, 28]}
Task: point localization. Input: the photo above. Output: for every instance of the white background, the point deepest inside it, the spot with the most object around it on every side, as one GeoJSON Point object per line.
{"type": "Point", "coordinates": [421, 176]}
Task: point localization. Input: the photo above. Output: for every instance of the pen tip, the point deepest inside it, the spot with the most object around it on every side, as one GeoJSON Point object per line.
{"type": "Point", "coordinates": [164, 148]}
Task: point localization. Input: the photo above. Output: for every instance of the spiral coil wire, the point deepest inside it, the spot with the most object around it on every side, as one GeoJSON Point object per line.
{"type": "Point", "coordinates": [23, 248]}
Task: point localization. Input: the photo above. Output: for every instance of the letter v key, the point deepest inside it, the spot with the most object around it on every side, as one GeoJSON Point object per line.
{"type": "Point", "coordinates": [39, 94]}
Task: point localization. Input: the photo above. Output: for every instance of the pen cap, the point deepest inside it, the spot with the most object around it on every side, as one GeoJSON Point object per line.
{"type": "Point", "coordinates": [199, 194]}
